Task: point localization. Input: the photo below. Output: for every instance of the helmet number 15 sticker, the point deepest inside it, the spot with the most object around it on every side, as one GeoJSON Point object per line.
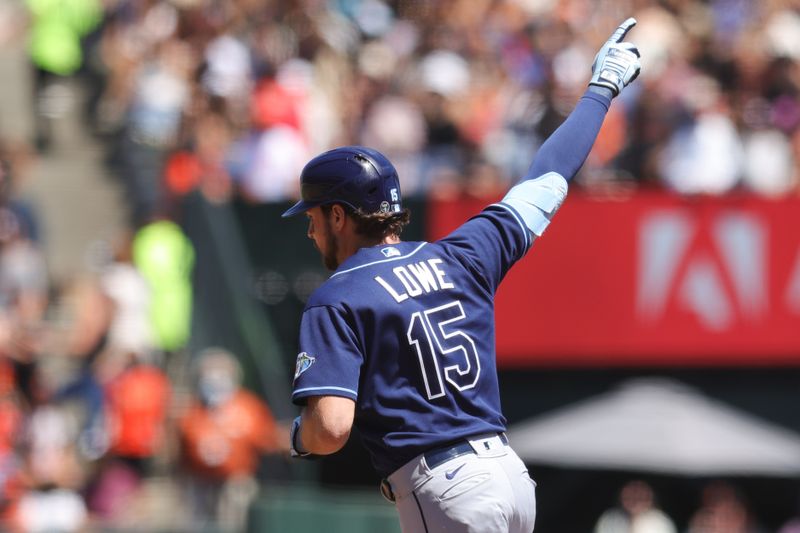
{"type": "Point", "coordinates": [446, 354]}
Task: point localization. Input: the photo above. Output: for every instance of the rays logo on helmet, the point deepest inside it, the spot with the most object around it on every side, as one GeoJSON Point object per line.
{"type": "Point", "coordinates": [304, 362]}
{"type": "Point", "coordinates": [390, 252]}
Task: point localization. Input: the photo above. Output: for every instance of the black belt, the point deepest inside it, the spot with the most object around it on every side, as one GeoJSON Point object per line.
{"type": "Point", "coordinates": [438, 456]}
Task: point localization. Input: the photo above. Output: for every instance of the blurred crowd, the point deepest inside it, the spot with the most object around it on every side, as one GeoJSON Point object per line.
{"type": "Point", "coordinates": [231, 98]}
{"type": "Point", "coordinates": [722, 508]}
{"type": "Point", "coordinates": [228, 99]}
{"type": "Point", "coordinates": [106, 419]}
{"type": "Point", "coordinates": [96, 405]}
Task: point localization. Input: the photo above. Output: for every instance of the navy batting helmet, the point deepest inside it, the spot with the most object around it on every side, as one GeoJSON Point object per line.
{"type": "Point", "coordinates": [359, 177]}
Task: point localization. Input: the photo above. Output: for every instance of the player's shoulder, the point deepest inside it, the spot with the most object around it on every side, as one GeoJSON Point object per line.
{"type": "Point", "coordinates": [492, 219]}
{"type": "Point", "coordinates": [346, 284]}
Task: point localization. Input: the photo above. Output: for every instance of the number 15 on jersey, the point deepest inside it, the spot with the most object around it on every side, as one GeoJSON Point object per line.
{"type": "Point", "coordinates": [445, 353]}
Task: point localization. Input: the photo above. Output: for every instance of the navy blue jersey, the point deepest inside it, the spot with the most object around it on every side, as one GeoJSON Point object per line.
{"type": "Point", "coordinates": [407, 332]}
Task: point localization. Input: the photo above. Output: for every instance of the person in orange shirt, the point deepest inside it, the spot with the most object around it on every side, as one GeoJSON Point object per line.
{"type": "Point", "coordinates": [11, 423]}
{"type": "Point", "coordinates": [224, 433]}
{"type": "Point", "coordinates": [137, 399]}
{"type": "Point", "coordinates": [137, 403]}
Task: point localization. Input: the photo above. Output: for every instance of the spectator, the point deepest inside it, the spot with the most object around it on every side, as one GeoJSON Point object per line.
{"type": "Point", "coordinates": [722, 511]}
{"type": "Point", "coordinates": [138, 400]}
{"type": "Point", "coordinates": [56, 51]}
{"type": "Point", "coordinates": [130, 330]}
{"type": "Point", "coordinates": [637, 513]}
{"type": "Point", "coordinates": [52, 471]}
{"type": "Point", "coordinates": [137, 403]}
{"type": "Point", "coordinates": [23, 272]}
{"type": "Point", "coordinates": [11, 423]}
{"type": "Point", "coordinates": [165, 257]}
{"type": "Point", "coordinates": [161, 92]}
{"type": "Point", "coordinates": [224, 432]}
{"type": "Point", "coordinates": [271, 156]}
{"type": "Point", "coordinates": [72, 375]}
{"type": "Point", "coordinates": [203, 166]}
{"type": "Point", "coordinates": [14, 160]}
{"type": "Point", "coordinates": [704, 155]}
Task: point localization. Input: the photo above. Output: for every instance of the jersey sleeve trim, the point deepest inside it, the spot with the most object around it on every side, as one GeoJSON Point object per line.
{"type": "Point", "coordinates": [518, 218]}
{"type": "Point", "coordinates": [399, 257]}
{"type": "Point", "coordinates": [325, 391]}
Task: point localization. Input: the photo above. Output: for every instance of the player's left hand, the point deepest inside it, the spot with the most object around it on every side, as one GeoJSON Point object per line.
{"type": "Point", "coordinates": [617, 63]}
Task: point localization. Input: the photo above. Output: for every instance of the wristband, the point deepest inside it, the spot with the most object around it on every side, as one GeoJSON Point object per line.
{"type": "Point", "coordinates": [294, 447]}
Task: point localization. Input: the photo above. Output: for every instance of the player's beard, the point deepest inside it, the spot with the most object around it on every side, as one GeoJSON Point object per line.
{"type": "Point", "coordinates": [329, 255]}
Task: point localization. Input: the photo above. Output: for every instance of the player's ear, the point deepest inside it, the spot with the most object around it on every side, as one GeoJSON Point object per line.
{"type": "Point", "coordinates": [338, 216]}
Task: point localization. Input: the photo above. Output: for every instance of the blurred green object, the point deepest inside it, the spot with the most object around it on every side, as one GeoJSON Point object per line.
{"type": "Point", "coordinates": [310, 510]}
{"type": "Point", "coordinates": [165, 257]}
{"type": "Point", "coordinates": [56, 32]}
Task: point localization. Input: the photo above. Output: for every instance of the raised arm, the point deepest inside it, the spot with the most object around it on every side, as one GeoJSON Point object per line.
{"type": "Point", "coordinates": [543, 189]}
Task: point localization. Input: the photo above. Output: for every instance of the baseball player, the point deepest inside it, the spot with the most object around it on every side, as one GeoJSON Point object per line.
{"type": "Point", "coordinates": [400, 339]}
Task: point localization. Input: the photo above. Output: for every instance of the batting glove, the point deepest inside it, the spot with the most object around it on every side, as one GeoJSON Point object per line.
{"type": "Point", "coordinates": [617, 63]}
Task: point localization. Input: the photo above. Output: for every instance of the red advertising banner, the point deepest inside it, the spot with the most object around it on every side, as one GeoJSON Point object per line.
{"type": "Point", "coordinates": [652, 279]}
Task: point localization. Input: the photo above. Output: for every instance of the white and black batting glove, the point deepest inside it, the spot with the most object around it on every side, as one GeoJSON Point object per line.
{"type": "Point", "coordinates": [617, 63]}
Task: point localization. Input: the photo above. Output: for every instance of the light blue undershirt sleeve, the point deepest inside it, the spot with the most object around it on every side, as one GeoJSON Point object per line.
{"type": "Point", "coordinates": [543, 189]}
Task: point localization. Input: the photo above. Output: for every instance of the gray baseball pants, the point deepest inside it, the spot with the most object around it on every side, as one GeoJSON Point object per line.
{"type": "Point", "coordinates": [485, 490]}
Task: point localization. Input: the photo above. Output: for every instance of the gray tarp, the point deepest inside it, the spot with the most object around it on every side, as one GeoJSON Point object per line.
{"type": "Point", "coordinates": [660, 426]}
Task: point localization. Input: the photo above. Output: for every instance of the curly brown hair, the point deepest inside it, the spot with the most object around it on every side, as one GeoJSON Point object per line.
{"type": "Point", "coordinates": [375, 226]}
